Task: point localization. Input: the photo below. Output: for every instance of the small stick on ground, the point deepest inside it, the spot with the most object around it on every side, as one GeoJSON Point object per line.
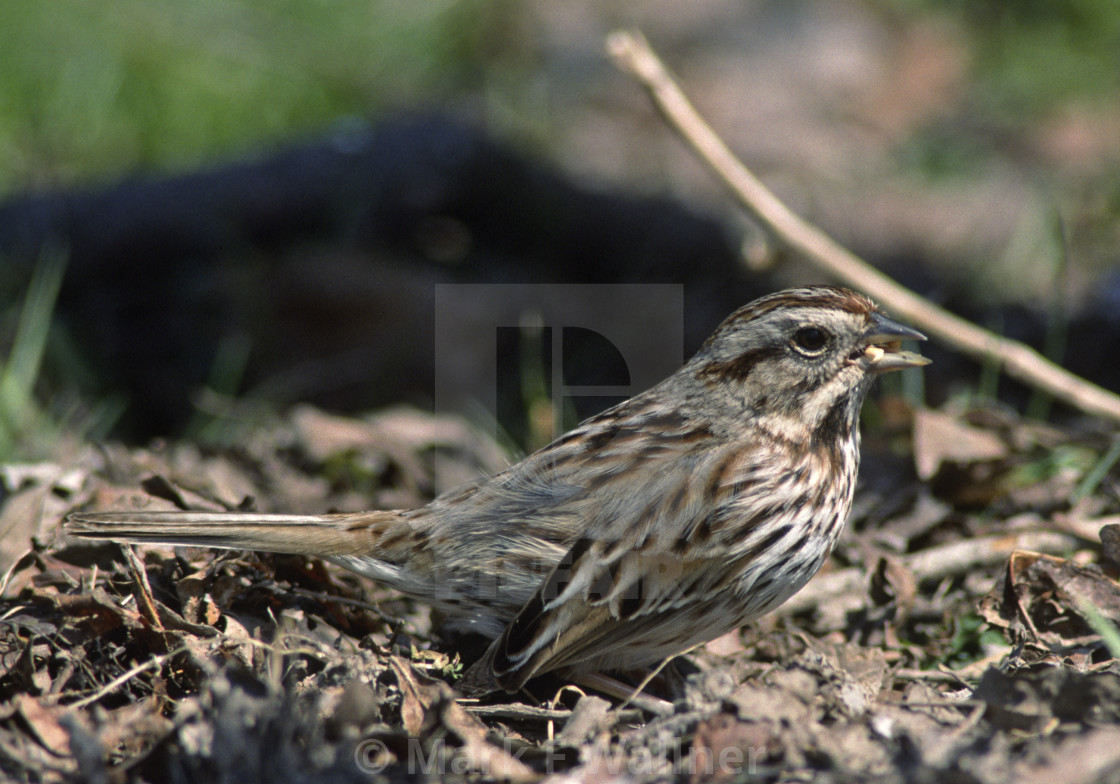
{"type": "Point", "coordinates": [632, 54]}
{"type": "Point", "coordinates": [934, 563]}
{"type": "Point", "coordinates": [145, 604]}
{"type": "Point", "coordinates": [153, 663]}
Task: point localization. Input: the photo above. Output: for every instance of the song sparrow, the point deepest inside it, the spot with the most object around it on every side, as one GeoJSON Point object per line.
{"type": "Point", "coordinates": [659, 524]}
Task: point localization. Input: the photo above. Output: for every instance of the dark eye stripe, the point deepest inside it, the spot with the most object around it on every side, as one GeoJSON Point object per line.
{"type": "Point", "coordinates": [739, 368]}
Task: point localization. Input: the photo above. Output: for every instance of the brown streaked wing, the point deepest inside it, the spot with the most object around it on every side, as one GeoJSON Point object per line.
{"type": "Point", "coordinates": [589, 627]}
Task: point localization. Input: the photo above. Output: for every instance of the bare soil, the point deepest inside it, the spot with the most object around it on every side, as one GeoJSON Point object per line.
{"type": "Point", "coordinates": [964, 630]}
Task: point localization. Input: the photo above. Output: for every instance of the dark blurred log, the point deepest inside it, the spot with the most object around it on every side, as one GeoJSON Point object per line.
{"type": "Point", "coordinates": [325, 256]}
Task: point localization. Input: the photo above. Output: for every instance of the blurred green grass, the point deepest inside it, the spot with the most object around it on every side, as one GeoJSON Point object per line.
{"type": "Point", "coordinates": [91, 90]}
{"type": "Point", "coordinates": [88, 90]}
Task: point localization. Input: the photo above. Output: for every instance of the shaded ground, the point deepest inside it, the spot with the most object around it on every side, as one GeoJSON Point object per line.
{"type": "Point", "coordinates": [939, 644]}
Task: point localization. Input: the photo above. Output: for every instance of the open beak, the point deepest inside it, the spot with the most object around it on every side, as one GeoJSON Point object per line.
{"type": "Point", "coordinates": [883, 340]}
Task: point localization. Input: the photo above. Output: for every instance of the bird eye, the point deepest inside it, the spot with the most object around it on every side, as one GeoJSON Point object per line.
{"type": "Point", "coordinates": [810, 340]}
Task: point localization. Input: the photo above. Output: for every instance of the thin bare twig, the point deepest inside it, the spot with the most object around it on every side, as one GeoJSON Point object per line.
{"type": "Point", "coordinates": [632, 53]}
{"type": "Point", "coordinates": [518, 711]}
{"type": "Point", "coordinates": [153, 663]}
{"type": "Point", "coordinates": [143, 593]}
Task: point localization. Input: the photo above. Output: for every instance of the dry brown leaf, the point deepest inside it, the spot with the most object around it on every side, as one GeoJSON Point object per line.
{"type": "Point", "coordinates": [428, 704]}
{"type": "Point", "coordinates": [127, 498]}
{"type": "Point", "coordinates": [323, 436]}
{"type": "Point", "coordinates": [95, 609]}
{"type": "Point", "coordinates": [725, 747]}
{"type": "Point", "coordinates": [590, 716]}
{"type": "Point", "coordinates": [942, 438]}
{"type": "Point", "coordinates": [416, 696]}
{"type": "Point", "coordinates": [891, 580]}
{"type": "Point", "coordinates": [21, 519]}
{"type": "Point", "coordinates": [180, 495]}
{"type": "Point", "coordinates": [43, 721]}
{"type": "Point", "coordinates": [1047, 598]}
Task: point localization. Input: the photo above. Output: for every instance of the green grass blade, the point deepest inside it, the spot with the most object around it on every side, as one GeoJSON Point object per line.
{"type": "Point", "coordinates": [19, 374]}
{"type": "Point", "coordinates": [1097, 473]}
{"type": "Point", "coordinates": [1102, 626]}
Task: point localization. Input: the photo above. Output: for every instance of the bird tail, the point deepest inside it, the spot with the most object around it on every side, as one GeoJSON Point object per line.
{"type": "Point", "coordinates": [326, 536]}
